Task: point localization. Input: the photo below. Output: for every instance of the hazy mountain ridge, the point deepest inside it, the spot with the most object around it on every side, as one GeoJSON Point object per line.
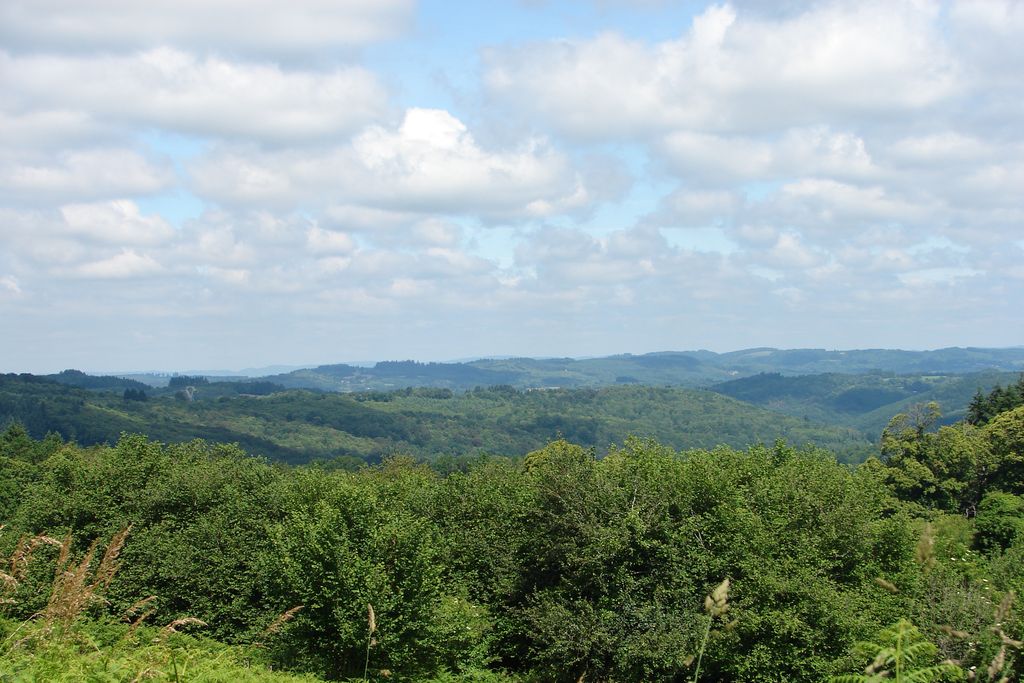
{"type": "Point", "coordinates": [678, 368]}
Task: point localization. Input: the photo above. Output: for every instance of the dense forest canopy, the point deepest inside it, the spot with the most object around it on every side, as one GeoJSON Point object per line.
{"type": "Point", "coordinates": [689, 368]}
{"type": "Point", "coordinates": [841, 412]}
{"type": "Point", "coordinates": [999, 400]}
{"type": "Point", "coordinates": [299, 426]}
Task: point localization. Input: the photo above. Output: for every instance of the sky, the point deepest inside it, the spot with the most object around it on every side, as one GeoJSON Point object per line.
{"type": "Point", "coordinates": [238, 183]}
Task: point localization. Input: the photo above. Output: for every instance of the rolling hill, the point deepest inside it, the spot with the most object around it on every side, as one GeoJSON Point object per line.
{"type": "Point", "coordinates": [865, 402]}
{"type": "Point", "coordinates": [301, 425]}
{"type": "Point", "coordinates": [689, 368]}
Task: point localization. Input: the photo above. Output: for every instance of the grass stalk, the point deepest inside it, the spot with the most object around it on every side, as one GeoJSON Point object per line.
{"type": "Point", "coordinates": [716, 604]}
{"type": "Point", "coordinates": [371, 620]}
{"type": "Point", "coordinates": [700, 655]}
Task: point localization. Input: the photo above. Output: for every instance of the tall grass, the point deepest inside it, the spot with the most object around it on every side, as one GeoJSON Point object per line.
{"type": "Point", "coordinates": [57, 644]}
{"type": "Point", "coordinates": [716, 604]}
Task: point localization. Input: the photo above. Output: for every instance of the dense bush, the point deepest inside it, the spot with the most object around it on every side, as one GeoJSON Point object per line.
{"type": "Point", "coordinates": [560, 566]}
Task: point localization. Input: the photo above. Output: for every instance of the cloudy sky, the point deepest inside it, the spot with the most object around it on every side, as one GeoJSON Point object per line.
{"type": "Point", "coordinates": [233, 183]}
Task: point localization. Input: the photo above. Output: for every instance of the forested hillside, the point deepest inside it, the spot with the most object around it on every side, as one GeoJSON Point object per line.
{"type": "Point", "coordinates": [841, 412]}
{"type": "Point", "coordinates": [767, 564]}
{"type": "Point", "coordinates": [299, 426]}
{"type": "Point", "coordinates": [689, 368]}
{"type": "Point", "coordinates": [866, 401]}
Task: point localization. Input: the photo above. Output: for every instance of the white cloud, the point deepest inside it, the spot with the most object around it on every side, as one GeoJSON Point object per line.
{"type": "Point", "coordinates": [115, 222]}
{"type": "Point", "coordinates": [989, 35]}
{"type": "Point", "coordinates": [38, 242]}
{"type": "Point", "coordinates": [935, 277]}
{"type": "Point", "coordinates": [81, 174]}
{"type": "Point", "coordinates": [270, 27]}
{"type": "Point", "coordinates": [687, 207]}
{"type": "Point", "coordinates": [178, 91]}
{"type": "Point", "coordinates": [939, 148]}
{"type": "Point", "coordinates": [756, 234]}
{"type": "Point", "coordinates": [221, 245]}
{"type": "Point", "coordinates": [429, 163]}
{"type": "Point", "coordinates": [43, 129]}
{"type": "Point", "coordinates": [229, 276]}
{"type": "Point", "coordinates": [564, 258]}
{"type": "Point", "coordinates": [705, 158]}
{"type": "Point", "coordinates": [382, 227]}
{"type": "Point", "coordinates": [999, 183]}
{"type": "Point", "coordinates": [9, 286]}
{"type": "Point", "coordinates": [436, 232]}
{"type": "Point", "coordinates": [329, 241]}
{"type": "Point", "coordinates": [789, 252]}
{"type": "Point", "coordinates": [127, 264]}
{"type": "Point", "coordinates": [432, 160]}
{"type": "Point", "coordinates": [246, 238]}
{"type": "Point", "coordinates": [814, 162]}
{"type": "Point", "coordinates": [823, 204]}
{"type": "Point", "coordinates": [351, 217]}
{"type": "Point", "coordinates": [733, 72]}
{"type": "Point", "coordinates": [882, 258]}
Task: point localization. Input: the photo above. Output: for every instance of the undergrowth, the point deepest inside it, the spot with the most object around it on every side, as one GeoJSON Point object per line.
{"type": "Point", "coordinates": [59, 642]}
{"type": "Point", "coordinates": [95, 651]}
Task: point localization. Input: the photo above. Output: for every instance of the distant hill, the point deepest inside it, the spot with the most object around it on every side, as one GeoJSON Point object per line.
{"type": "Point", "coordinates": [387, 375]}
{"type": "Point", "coordinates": [512, 405]}
{"type": "Point", "coordinates": [77, 378]}
{"type": "Point", "coordinates": [688, 368]}
{"type": "Point", "coordinates": [865, 402]}
{"type": "Point", "coordinates": [955, 360]}
{"type": "Point", "coordinates": [298, 425]}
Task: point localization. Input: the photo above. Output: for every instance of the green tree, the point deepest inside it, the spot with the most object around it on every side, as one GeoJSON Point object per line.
{"type": "Point", "coordinates": [1005, 435]}
{"type": "Point", "coordinates": [1000, 520]}
{"type": "Point", "coordinates": [346, 542]}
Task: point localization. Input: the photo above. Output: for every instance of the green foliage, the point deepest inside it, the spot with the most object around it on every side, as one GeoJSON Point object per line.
{"type": "Point", "coordinates": [694, 368]}
{"type": "Point", "coordinates": [115, 653]}
{"type": "Point", "coordinates": [199, 514]}
{"type": "Point", "coordinates": [559, 565]}
{"type": "Point", "coordinates": [1005, 436]}
{"type": "Point", "coordinates": [345, 545]}
{"type": "Point", "coordinates": [20, 456]}
{"type": "Point", "coordinates": [954, 468]}
{"type": "Point", "coordinates": [929, 468]}
{"type": "Point", "coordinates": [77, 378]}
{"type": "Point", "coordinates": [183, 381]}
{"type": "Point", "coordinates": [300, 426]}
{"type": "Point", "coordinates": [482, 517]}
{"type": "Point", "coordinates": [603, 565]}
{"type": "Point", "coordinates": [984, 407]}
{"type": "Point", "coordinates": [902, 655]}
{"type": "Point", "coordinates": [864, 401]}
{"type": "Point", "coordinates": [1000, 520]}
{"type": "Point", "coordinates": [805, 589]}
{"type": "Point", "coordinates": [974, 471]}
